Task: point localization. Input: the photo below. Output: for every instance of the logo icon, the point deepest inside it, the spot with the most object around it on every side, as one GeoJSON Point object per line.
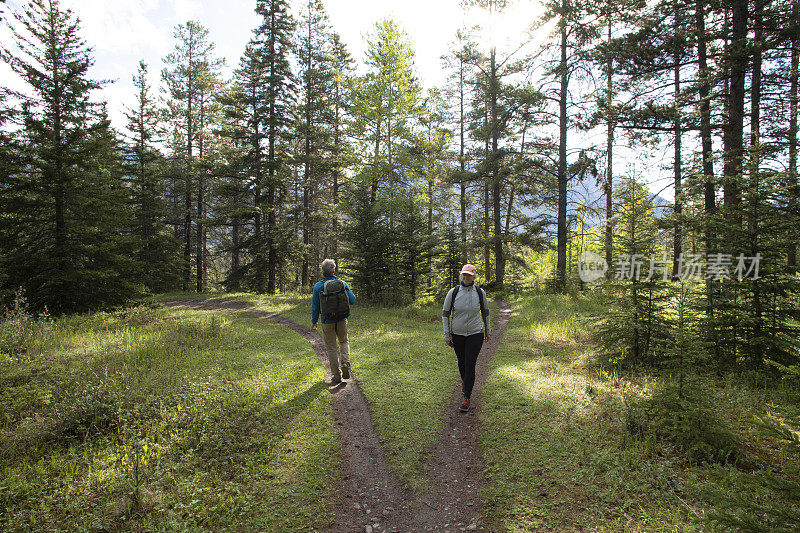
{"type": "Point", "coordinates": [591, 266]}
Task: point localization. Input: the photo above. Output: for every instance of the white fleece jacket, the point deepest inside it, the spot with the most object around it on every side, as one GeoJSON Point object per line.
{"type": "Point", "coordinates": [466, 319]}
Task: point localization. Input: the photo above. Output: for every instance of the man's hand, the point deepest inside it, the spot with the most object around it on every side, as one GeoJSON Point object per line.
{"type": "Point", "coordinates": [314, 326]}
{"type": "Point", "coordinates": [449, 341]}
{"type": "Point", "coordinates": [486, 338]}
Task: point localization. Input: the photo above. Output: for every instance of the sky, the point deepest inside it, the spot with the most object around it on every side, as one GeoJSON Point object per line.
{"type": "Point", "coordinates": [124, 32]}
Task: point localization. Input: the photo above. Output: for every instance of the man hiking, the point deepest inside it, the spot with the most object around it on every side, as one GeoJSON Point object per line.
{"type": "Point", "coordinates": [332, 298]}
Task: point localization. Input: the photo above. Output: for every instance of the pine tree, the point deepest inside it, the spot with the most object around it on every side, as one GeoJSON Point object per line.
{"type": "Point", "coordinates": [450, 258]}
{"type": "Point", "coordinates": [188, 80]}
{"type": "Point", "coordinates": [234, 191]}
{"type": "Point", "coordinates": [385, 110]}
{"type": "Point", "coordinates": [792, 177]}
{"type": "Point", "coordinates": [207, 155]}
{"type": "Point", "coordinates": [366, 232]}
{"type": "Point", "coordinates": [573, 35]}
{"type": "Point", "coordinates": [429, 160]}
{"type": "Point", "coordinates": [104, 214]}
{"type": "Point", "coordinates": [273, 46]}
{"type": "Point", "coordinates": [414, 245]}
{"type": "Point", "coordinates": [341, 151]}
{"type": "Point", "coordinates": [10, 173]}
{"type": "Point", "coordinates": [632, 329]}
{"type": "Point", "coordinates": [499, 109]}
{"type": "Point", "coordinates": [611, 17]}
{"type": "Point", "coordinates": [750, 320]}
{"type": "Point", "coordinates": [735, 61]}
{"type": "Point", "coordinates": [68, 208]}
{"type": "Point", "coordinates": [156, 248]}
{"type": "Point", "coordinates": [316, 122]}
{"type": "Point", "coordinates": [393, 93]}
{"type": "Point", "coordinates": [242, 189]}
{"type": "Point", "coordinates": [459, 63]}
{"type": "Point", "coordinates": [523, 175]}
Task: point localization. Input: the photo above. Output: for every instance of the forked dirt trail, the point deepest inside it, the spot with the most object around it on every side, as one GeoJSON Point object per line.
{"type": "Point", "coordinates": [372, 500]}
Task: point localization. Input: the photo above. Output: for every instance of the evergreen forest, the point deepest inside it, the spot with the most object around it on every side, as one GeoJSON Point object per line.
{"type": "Point", "coordinates": [626, 180]}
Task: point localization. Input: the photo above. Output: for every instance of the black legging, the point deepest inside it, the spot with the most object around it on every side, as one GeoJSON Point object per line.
{"type": "Point", "coordinates": [467, 348]}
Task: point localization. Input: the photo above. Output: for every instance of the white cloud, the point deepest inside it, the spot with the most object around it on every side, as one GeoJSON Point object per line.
{"type": "Point", "coordinates": [186, 9]}
{"type": "Point", "coordinates": [121, 27]}
{"type": "Point", "coordinates": [431, 25]}
{"type": "Point", "coordinates": [122, 33]}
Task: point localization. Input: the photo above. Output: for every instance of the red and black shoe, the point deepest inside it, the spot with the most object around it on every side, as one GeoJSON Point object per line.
{"type": "Point", "coordinates": [464, 406]}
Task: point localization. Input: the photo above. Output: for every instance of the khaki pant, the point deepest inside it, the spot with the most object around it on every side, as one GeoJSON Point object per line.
{"type": "Point", "coordinates": [336, 354]}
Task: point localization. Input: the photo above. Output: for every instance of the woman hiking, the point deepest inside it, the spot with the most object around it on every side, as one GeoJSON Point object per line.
{"type": "Point", "coordinates": [465, 317]}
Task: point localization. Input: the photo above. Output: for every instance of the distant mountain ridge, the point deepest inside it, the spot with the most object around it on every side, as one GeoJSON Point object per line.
{"type": "Point", "coordinates": [592, 195]}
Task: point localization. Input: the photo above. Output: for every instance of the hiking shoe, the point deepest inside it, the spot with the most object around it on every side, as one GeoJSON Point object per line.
{"type": "Point", "coordinates": [345, 370]}
{"type": "Point", "coordinates": [464, 406]}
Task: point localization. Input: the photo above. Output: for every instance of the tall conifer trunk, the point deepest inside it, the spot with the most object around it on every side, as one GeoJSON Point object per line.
{"type": "Point", "coordinates": [677, 236]}
{"type": "Point", "coordinates": [376, 163]}
{"type": "Point", "coordinates": [499, 260]}
{"type": "Point", "coordinates": [187, 223]}
{"type": "Point", "coordinates": [335, 175]}
{"type": "Point", "coordinates": [733, 135]}
{"type": "Point", "coordinates": [487, 250]}
{"type": "Point", "coordinates": [794, 187]}
{"type": "Point", "coordinates": [258, 202]}
{"type": "Point", "coordinates": [272, 255]}
{"type": "Point", "coordinates": [462, 160]}
{"type": "Point", "coordinates": [304, 277]}
{"type": "Point", "coordinates": [709, 193]}
{"type": "Point", "coordinates": [561, 232]}
{"type": "Point", "coordinates": [707, 152]}
{"type": "Point", "coordinates": [609, 185]}
{"type": "Point", "coordinates": [755, 174]}
{"type": "Point", "coordinates": [201, 200]}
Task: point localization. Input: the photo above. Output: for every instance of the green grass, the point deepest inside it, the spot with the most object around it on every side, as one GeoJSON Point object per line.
{"type": "Point", "coordinates": [407, 373]}
{"type": "Point", "coordinates": [554, 437]}
{"type": "Point", "coordinates": [228, 417]}
{"type": "Point", "coordinates": [231, 421]}
{"type": "Point", "coordinates": [403, 366]}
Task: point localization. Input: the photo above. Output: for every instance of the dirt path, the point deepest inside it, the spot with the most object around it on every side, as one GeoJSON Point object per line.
{"type": "Point", "coordinates": [372, 499]}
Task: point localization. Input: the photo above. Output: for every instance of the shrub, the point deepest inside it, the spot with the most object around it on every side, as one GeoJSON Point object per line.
{"type": "Point", "coordinates": [87, 410]}
{"type": "Point", "coordinates": [681, 415]}
{"type": "Point", "coordinates": [762, 501]}
{"type": "Point", "coordinates": [23, 335]}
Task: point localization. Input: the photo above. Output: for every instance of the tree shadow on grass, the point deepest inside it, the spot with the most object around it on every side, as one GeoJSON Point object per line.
{"type": "Point", "coordinates": [236, 426]}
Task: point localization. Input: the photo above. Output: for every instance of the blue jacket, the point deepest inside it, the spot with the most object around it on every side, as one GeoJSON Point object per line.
{"type": "Point", "coordinates": [315, 299]}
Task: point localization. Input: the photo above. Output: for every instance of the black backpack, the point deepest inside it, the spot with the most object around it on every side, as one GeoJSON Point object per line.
{"type": "Point", "coordinates": [481, 296]}
{"type": "Point", "coordinates": [334, 304]}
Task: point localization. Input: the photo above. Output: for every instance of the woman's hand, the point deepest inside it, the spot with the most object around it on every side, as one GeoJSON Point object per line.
{"type": "Point", "coordinates": [486, 337]}
{"type": "Point", "coordinates": [449, 341]}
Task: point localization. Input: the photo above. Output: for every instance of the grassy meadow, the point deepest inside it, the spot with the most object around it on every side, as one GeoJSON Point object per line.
{"type": "Point", "coordinates": [558, 440]}
{"type": "Point", "coordinates": [151, 418]}
{"type": "Point", "coordinates": [158, 419]}
{"type": "Point", "coordinates": [403, 366]}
